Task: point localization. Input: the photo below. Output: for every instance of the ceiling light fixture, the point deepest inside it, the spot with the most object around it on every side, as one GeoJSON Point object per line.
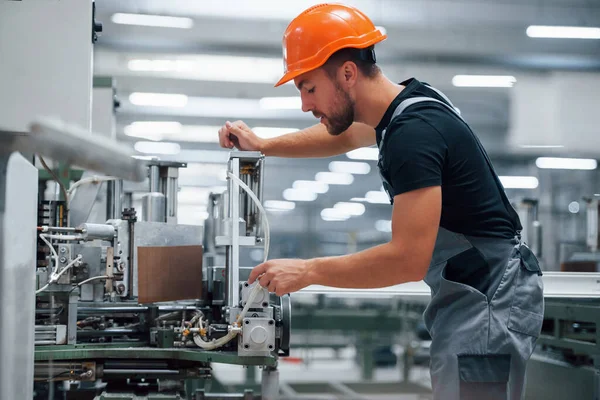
{"type": "Point", "coordinates": [158, 99]}
{"type": "Point", "coordinates": [566, 163]}
{"type": "Point", "coordinates": [334, 178]}
{"type": "Point", "coordinates": [492, 81]}
{"type": "Point", "coordinates": [351, 167]}
{"type": "Point", "coordinates": [519, 182]}
{"type": "Point", "coordinates": [563, 32]}
{"type": "Point", "coordinates": [160, 21]}
{"type": "Point", "coordinates": [364, 153]}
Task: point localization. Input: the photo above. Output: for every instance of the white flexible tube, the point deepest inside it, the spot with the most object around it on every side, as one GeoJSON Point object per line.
{"type": "Point", "coordinates": [65, 237]}
{"type": "Point", "coordinates": [91, 179]}
{"type": "Point", "coordinates": [262, 210]}
{"type": "Point", "coordinates": [55, 277]}
{"type": "Point", "coordinates": [40, 290]}
{"type": "Point", "coordinates": [52, 250]}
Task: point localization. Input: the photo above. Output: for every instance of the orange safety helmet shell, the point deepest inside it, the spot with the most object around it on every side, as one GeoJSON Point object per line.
{"type": "Point", "coordinates": [318, 32]}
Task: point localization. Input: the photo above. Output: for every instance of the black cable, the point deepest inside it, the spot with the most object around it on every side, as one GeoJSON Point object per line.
{"type": "Point", "coordinates": [70, 372]}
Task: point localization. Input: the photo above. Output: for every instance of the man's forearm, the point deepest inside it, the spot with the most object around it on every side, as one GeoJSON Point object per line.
{"type": "Point", "coordinates": [379, 266]}
{"type": "Point", "coordinates": [316, 142]}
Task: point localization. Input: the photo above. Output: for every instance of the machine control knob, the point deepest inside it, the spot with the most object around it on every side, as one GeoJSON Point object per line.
{"type": "Point", "coordinates": [258, 335]}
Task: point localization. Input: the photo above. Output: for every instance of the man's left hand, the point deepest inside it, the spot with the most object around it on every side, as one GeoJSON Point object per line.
{"type": "Point", "coordinates": [281, 276]}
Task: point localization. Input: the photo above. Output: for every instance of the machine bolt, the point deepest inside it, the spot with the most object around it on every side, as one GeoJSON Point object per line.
{"type": "Point", "coordinates": [271, 322]}
{"type": "Point", "coordinates": [265, 304]}
{"type": "Point", "coordinates": [121, 288]}
{"type": "Point", "coordinates": [246, 346]}
{"type": "Point", "coordinates": [247, 322]}
{"type": "Point", "coordinates": [121, 266]}
{"type": "Point", "coordinates": [270, 347]}
{"type": "Point", "coordinates": [62, 260]}
{"type": "Point", "coordinates": [63, 250]}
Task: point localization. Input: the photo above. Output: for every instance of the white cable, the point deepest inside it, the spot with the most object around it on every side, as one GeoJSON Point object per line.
{"type": "Point", "coordinates": [262, 211]}
{"type": "Point", "coordinates": [65, 237]}
{"type": "Point", "coordinates": [52, 249]}
{"type": "Point", "coordinates": [55, 277]}
{"type": "Point", "coordinates": [91, 179]}
{"type": "Point", "coordinates": [255, 290]}
{"type": "Point", "coordinates": [40, 290]}
{"type": "Point", "coordinates": [94, 278]}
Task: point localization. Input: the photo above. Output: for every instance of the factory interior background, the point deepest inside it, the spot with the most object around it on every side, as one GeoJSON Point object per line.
{"type": "Point", "coordinates": [164, 86]}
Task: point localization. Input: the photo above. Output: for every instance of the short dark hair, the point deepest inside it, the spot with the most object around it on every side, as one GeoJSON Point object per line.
{"type": "Point", "coordinates": [363, 58]}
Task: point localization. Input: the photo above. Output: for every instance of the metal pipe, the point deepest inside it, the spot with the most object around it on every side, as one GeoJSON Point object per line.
{"type": "Point", "coordinates": [154, 207]}
{"type": "Point", "coordinates": [154, 173]}
{"type": "Point", "coordinates": [114, 199]}
{"type": "Point", "coordinates": [107, 332]}
{"type": "Point", "coordinates": [97, 231]}
{"type": "Point", "coordinates": [259, 194]}
{"type": "Point", "coordinates": [140, 371]}
{"type": "Point", "coordinates": [57, 140]}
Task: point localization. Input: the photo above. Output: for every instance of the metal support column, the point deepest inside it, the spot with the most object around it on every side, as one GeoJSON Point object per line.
{"type": "Point", "coordinates": [270, 383]}
{"type": "Point", "coordinates": [72, 318]}
{"type": "Point", "coordinates": [233, 274]}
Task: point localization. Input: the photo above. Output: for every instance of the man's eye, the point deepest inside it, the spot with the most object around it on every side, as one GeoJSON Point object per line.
{"type": "Point", "coordinates": [311, 90]}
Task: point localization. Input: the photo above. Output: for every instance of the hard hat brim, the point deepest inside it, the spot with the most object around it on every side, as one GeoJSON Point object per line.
{"type": "Point", "coordinates": [288, 76]}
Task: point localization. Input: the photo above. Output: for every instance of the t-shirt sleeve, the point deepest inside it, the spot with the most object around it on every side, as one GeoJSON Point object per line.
{"type": "Point", "coordinates": [414, 156]}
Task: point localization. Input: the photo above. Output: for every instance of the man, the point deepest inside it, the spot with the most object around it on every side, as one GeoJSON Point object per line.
{"type": "Point", "coordinates": [452, 224]}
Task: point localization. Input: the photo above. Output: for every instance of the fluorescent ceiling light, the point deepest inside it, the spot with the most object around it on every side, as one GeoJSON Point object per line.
{"type": "Point", "coordinates": [377, 197]}
{"type": "Point", "coordinates": [383, 225]}
{"type": "Point", "coordinates": [360, 199]}
{"type": "Point", "coordinates": [281, 103]}
{"type": "Point", "coordinates": [519, 182]}
{"type": "Point", "coordinates": [312, 186]}
{"type": "Point", "coordinates": [354, 209]}
{"type": "Point", "coordinates": [197, 170]}
{"type": "Point", "coordinates": [351, 167]}
{"type": "Point", "coordinates": [364, 153]}
{"type": "Point", "coordinates": [563, 32]}
{"type": "Point", "coordinates": [299, 195]}
{"type": "Point", "coordinates": [210, 67]}
{"type": "Point", "coordinates": [160, 65]}
{"type": "Point", "coordinates": [157, 147]}
{"type": "Point", "coordinates": [161, 21]}
{"type": "Point", "coordinates": [173, 131]}
{"type": "Point", "coordinates": [332, 214]}
{"type": "Point", "coordinates": [145, 158]}
{"type": "Point", "coordinates": [279, 205]}
{"type": "Point", "coordinates": [158, 99]}
{"type": "Point", "coordinates": [483, 81]}
{"type": "Point", "coordinates": [566, 163]}
{"type": "Point", "coordinates": [152, 130]}
{"type": "Point", "coordinates": [268, 132]}
{"type": "Point", "coordinates": [334, 178]}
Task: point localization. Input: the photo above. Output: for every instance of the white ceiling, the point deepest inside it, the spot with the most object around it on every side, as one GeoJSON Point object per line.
{"type": "Point", "coordinates": [430, 39]}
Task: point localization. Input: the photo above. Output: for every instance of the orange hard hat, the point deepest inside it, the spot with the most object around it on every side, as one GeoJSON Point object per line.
{"type": "Point", "coordinates": [318, 32]}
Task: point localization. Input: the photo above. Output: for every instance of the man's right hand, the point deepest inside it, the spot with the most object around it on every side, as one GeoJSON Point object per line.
{"type": "Point", "coordinates": [239, 135]}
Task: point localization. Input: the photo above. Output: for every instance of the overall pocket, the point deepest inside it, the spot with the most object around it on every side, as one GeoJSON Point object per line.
{"type": "Point", "coordinates": [527, 310]}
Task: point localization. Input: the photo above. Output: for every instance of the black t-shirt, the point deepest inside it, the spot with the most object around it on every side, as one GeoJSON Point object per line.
{"type": "Point", "coordinates": [429, 145]}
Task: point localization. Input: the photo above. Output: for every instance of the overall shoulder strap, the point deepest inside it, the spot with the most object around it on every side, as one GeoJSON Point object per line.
{"type": "Point", "coordinates": [414, 100]}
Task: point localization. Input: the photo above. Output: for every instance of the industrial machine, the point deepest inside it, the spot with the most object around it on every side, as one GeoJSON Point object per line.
{"type": "Point", "coordinates": [143, 304]}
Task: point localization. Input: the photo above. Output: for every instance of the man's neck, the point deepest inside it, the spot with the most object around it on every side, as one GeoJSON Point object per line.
{"type": "Point", "coordinates": [373, 99]}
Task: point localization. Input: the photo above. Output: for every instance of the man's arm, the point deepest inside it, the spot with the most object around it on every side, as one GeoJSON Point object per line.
{"type": "Point", "coordinates": [314, 141]}
{"type": "Point", "coordinates": [405, 258]}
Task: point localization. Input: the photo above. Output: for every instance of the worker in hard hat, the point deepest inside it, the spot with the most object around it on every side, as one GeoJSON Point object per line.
{"type": "Point", "coordinates": [452, 224]}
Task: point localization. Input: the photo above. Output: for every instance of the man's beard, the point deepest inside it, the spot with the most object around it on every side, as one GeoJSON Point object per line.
{"type": "Point", "coordinates": [341, 120]}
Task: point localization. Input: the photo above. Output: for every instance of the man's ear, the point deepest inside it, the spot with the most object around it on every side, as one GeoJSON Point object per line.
{"type": "Point", "coordinates": [350, 73]}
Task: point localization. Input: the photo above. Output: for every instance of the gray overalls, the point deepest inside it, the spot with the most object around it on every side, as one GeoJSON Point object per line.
{"type": "Point", "coordinates": [484, 320]}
